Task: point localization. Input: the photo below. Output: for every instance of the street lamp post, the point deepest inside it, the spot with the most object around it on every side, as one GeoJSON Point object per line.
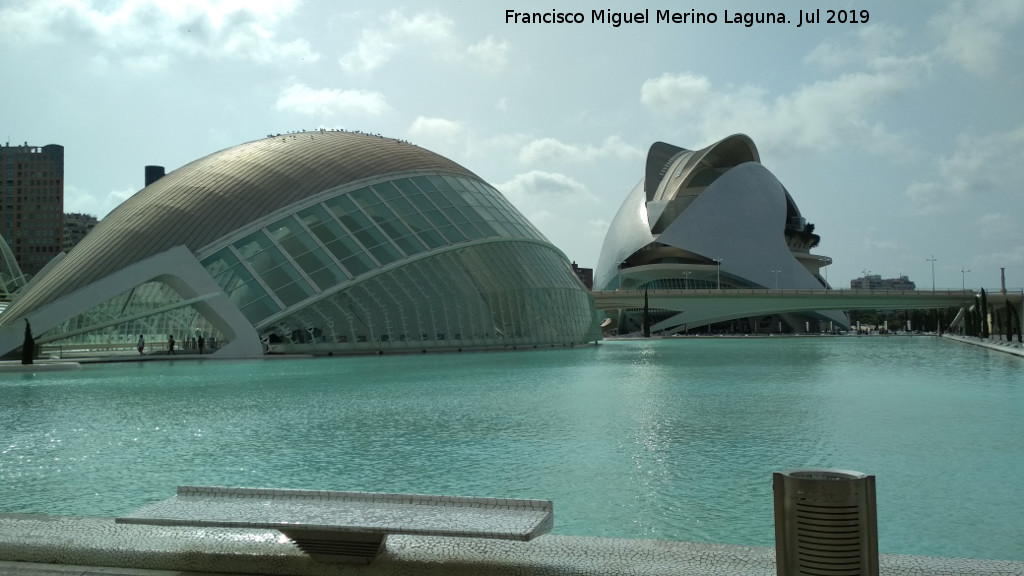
{"type": "Point", "coordinates": [718, 261]}
{"type": "Point", "coordinates": [932, 260]}
{"type": "Point", "coordinates": [963, 278]}
{"type": "Point", "coordinates": [776, 272]}
{"type": "Point", "coordinates": [686, 282]}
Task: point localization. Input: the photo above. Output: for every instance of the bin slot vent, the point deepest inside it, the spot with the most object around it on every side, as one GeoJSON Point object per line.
{"type": "Point", "coordinates": [825, 524]}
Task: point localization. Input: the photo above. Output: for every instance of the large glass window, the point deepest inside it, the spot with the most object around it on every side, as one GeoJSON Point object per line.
{"type": "Point", "coordinates": [363, 229]}
{"type": "Point", "coordinates": [419, 225]}
{"type": "Point", "coordinates": [437, 220]}
{"type": "Point", "coordinates": [387, 191]}
{"type": "Point", "coordinates": [240, 286]}
{"type": "Point", "coordinates": [345, 248]}
{"type": "Point", "coordinates": [365, 197]}
{"type": "Point", "coordinates": [382, 215]}
{"type": "Point", "coordinates": [357, 232]}
{"type": "Point", "coordinates": [347, 212]}
{"type": "Point", "coordinates": [273, 268]}
{"type": "Point", "coordinates": [489, 295]}
{"type": "Point", "coordinates": [304, 250]}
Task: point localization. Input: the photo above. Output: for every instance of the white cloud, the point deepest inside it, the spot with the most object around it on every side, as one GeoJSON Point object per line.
{"type": "Point", "coordinates": [871, 46]}
{"type": "Point", "coordinates": [880, 245]}
{"type": "Point", "coordinates": [674, 93]}
{"type": "Point", "coordinates": [998, 226]}
{"type": "Point", "coordinates": [373, 51]}
{"type": "Point", "coordinates": [973, 34]}
{"type": "Point", "coordinates": [979, 169]}
{"type": "Point", "coordinates": [433, 32]}
{"type": "Point", "coordinates": [153, 32]}
{"type": "Point", "coordinates": [537, 190]}
{"type": "Point", "coordinates": [550, 149]}
{"type": "Point", "coordinates": [84, 202]}
{"type": "Point", "coordinates": [926, 196]}
{"type": "Point", "coordinates": [546, 198]}
{"type": "Point", "coordinates": [436, 129]}
{"type": "Point", "coordinates": [598, 227]}
{"type": "Point", "coordinates": [814, 117]}
{"type": "Point", "coordinates": [489, 53]}
{"type": "Point", "coordinates": [1013, 256]}
{"type": "Point", "coordinates": [331, 102]}
{"type": "Point", "coordinates": [868, 70]}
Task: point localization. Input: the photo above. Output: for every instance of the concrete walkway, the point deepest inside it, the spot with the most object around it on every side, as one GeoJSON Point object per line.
{"type": "Point", "coordinates": [36, 545]}
{"type": "Point", "coordinates": [996, 343]}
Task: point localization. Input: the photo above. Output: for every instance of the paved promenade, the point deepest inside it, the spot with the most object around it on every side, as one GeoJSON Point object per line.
{"type": "Point", "coordinates": [997, 343]}
{"type": "Point", "coordinates": [36, 545]}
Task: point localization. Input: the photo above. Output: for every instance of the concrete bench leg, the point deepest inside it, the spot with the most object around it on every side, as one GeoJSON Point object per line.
{"type": "Point", "coordinates": [333, 547]}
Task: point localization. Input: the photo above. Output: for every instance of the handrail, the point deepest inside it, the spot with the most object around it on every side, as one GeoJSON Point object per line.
{"type": "Point", "coordinates": [785, 291]}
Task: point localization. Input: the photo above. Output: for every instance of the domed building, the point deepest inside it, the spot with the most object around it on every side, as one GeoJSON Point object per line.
{"type": "Point", "coordinates": [326, 242]}
{"type": "Point", "coordinates": [714, 218]}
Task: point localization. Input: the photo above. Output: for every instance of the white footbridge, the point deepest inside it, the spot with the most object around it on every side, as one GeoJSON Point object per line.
{"type": "Point", "coordinates": [702, 307]}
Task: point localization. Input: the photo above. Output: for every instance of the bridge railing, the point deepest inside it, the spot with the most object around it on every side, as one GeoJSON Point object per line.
{"type": "Point", "coordinates": [785, 291]}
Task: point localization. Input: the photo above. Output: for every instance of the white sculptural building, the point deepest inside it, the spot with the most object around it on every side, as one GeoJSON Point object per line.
{"type": "Point", "coordinates": [715, 219]}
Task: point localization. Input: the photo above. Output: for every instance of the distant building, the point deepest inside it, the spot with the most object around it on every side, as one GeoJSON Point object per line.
{"type": "Point", "coordinates": [76, 226]}
{"type": "Point", "coordinates": [32, 207]}
{"type": "Point", "coordinates": [154, 173]}
{"type": "Point", "coordinates": [876, 282]}
{"type": "Point", "coordinates": [586, 275]}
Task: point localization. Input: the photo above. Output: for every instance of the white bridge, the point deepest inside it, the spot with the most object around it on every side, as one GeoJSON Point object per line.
{"type": "Point", "coordinates": [702, 307]}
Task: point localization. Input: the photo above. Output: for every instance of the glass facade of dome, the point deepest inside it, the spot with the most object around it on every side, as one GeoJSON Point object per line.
{"type": "Point", "coordinates": [409, 260]}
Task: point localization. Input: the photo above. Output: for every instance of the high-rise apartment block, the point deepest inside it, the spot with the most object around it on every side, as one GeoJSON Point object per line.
{"type": "Point", "coordinates": [586, 275]}
{"type": "Point", "coordinates": [32, 203]}
{"type": "Point", "coordinates": [76, 226]}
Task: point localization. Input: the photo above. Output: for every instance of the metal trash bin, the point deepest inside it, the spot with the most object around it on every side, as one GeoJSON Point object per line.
{"type": "Point", "coordinates": [825, 523]}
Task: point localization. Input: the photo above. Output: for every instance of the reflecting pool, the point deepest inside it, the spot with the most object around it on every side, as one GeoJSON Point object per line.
{"type": "Point", "coordinates": [670, 439]}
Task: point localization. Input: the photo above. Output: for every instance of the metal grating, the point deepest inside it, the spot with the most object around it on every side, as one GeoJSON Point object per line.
{"type": "Point", "coordinates": [825, 523]}
{"type": "Point", "coordinates": [334, 548]}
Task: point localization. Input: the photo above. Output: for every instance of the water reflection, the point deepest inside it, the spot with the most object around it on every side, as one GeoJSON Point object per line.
{"type": "Point", "coordinates": [672, 439]}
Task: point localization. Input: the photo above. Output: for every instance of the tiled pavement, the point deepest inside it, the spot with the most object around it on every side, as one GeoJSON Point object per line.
{"type": "Point", "coordinates": [32, 545]}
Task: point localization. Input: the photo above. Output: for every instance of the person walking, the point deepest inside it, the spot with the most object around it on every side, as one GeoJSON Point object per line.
{"type": "Point", "coordinates": [201, 343]}
{"type": "Point", "coordinates": [142, 344]}
{"type": "Point", "coordinates": [170, 343]}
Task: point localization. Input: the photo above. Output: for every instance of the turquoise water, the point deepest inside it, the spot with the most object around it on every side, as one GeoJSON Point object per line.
{"type": "Point", "coordinates": [669, 439]}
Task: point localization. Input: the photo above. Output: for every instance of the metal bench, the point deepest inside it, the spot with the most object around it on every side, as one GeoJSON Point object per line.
{"type": "Point", "coordinates": [338, 527]}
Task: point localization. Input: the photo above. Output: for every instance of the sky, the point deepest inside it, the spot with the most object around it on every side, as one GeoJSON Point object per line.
{"type": "Point", "coordinates": [899, 133]}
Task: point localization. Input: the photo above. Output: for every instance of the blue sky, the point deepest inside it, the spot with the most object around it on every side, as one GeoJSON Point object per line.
{"type": "Point", "coordinates": [900, 138]}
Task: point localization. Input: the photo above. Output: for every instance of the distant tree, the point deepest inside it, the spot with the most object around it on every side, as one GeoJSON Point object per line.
{"type": "Point", "coordinates": [814, 238]}
{"type": "Point", "coordinates": [28, 347]}
{"type": "Point", "coordinates": [1012, 322]}
{"type": "Point", "coordinates": [647, 318]}
{"type": "Point", "coordinates": [984, 314]}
